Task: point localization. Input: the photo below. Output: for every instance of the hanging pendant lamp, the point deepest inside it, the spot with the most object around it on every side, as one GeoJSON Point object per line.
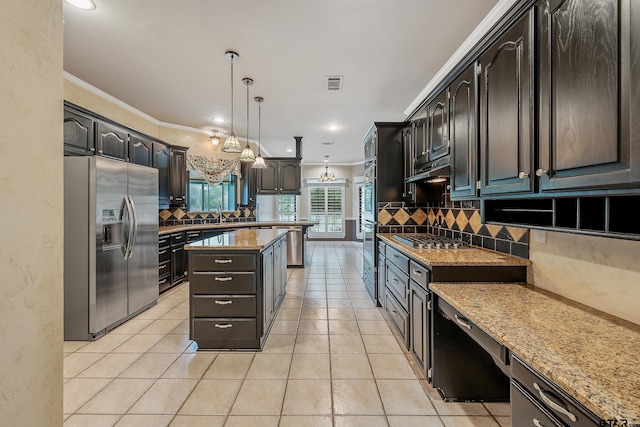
{"type": "Point", "coordinates": [326, 177]}
{"type": "Point", "coordinates": [231, 144]}
{"type": "Point", "coordinates": [247, 154]}
{"type": "Point", "coordinates": [215, 139]}
{"type": "Point", "coordinates": [259, 162]}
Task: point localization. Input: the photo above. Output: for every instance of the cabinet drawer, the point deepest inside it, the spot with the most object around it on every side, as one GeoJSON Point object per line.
{"type": "Point", "coordinates": [193, 236]}
{"type": "Point", "coordinates": [177, 239]}
{"type": "Point", "coordinates": [222, 262]}
{"type": "Point", "coordinates": [419, 274]}
{"type": "Point", "coordinates": [550, 396]}
{"type": "Point", "coordinates": [398, 315]}
{"type": "Point", "coordinates": [497, 351]}
{"type": "Point", "coordinates": [164, 283]}
{"type": "Point", "coordinates": [163, 241]}
{"type": "Point", "coordinates": [526, 411]}
{"type": "Point", "coordinates": [224, 306]}
{"type": "Point", "coordinates": [223, 283]}
{"type": "Point", "coordinates": [397, 283]}
{"type": "Point", "coordinates": [224, 330]}
{"type": "Point", "coordinates": [164, 255]}
{"type": "Point", "coordinates": [401, 261]}
{"type": "Point", "coordinates": [382, 248]}
{"type": "Point", "coordinates": [164, 268]}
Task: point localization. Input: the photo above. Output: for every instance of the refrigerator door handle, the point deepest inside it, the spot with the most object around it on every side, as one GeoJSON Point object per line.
{"type": "Point", "coordinates": [128, 229]}
{"type": "Point", "coordinates": [133, 236]}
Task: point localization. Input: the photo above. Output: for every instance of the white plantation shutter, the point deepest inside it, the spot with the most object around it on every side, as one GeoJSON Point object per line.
{"type": "Point", "coordinates": [287, 207]}
{"type": "Point", "coordinates": [326, 207]}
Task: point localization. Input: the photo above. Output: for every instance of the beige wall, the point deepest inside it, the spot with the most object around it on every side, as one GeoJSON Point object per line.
{"type": "Point", "coordinates": [32, 224]}
{"type": "Point", "coordinates": [603, 273]}
{"type": "Point", "coordinates": [341, 171]}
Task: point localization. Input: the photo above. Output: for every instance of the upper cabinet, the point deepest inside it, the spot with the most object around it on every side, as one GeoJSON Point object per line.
{"type": "Point", "coordinates": [420, 143]}
{"type": "Point", "coordinates": [282, 176]}
{"type": "Point", "coordinates": [140, 151]}
{"type": "Point", "coordinates": [438, 125]}
{"type": "Point", "coordinates": [408, 195]}
{"type": "Point", "coordinates": [463, 119]}
{"type": "Point", "coordinates": [78, 133]}
{"type": "Point", "coordinates": [161, 160]}
{"type": "Point", "coordinates": [587, 58]}
{"type": "Point", "coordinates": [178, 177]}
{"type": "Point", "coordinates": [507, 111]}
{"type": "Point", "coordinates": [111, 141]}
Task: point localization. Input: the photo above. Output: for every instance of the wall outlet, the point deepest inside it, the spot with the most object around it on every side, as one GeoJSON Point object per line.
{"type": "Point", "coordinates": [540, 236]}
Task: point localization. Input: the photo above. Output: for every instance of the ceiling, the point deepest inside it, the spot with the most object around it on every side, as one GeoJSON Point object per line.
{"type": "Point", "coordinates": [167, 59]}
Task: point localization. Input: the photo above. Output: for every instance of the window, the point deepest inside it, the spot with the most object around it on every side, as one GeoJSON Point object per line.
{"type": "Point", "coordinates": [287, 207]}
{"type": "Point", "coordinates": [204, 197]}
{"type": "Point", "coordinates": [326, 207]}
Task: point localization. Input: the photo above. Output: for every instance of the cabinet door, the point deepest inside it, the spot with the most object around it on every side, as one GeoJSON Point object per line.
{"type": "Point", "coordinates": [463, 135]}
{"type": "Point", "coordinates": [420, 147]}
{"type": "Point", "coordinates": [178, 178]}
{"type": "Point", "coordinates": [438, 139]}
{"type": "Point", "coordinates": [382, 278]}
{"type": "Point", "coordinates": [267, 287]}
{"type": "Point", "coordinates": [161, 155]}
{"type": "Point", "coordinates": [178, 264]}
{"type": "Point", "coordinates": [78, 133]}
{"type": "Point", "coordinates": [111, 141]}
{"type": "Point", "coordinates": [419, 326]}
{"type": "Point", "coordinates": [408, 159]}
{"type": "Point", "coordinates": [289, 176]}
{"type": "Point", "coordinates": [268, 178]}
{"type": "Point", "coordinates": [140, 151]}
{"type": "Point", "coordinates": [584, 137]}
{"type": "Point", "coordinates": [505, 111]}
{"type": "Point", "coordinates": [249, 184]}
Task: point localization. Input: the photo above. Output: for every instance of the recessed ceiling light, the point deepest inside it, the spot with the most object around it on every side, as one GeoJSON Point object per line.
{"type": "Point", "coordinates": [82, 4]}
{"type": "Point", "coordinates": [289, 150]}
{"type": "Point", "coordinates": [333, 127]}
{"type": "Point", "coordinates": [218, 120]}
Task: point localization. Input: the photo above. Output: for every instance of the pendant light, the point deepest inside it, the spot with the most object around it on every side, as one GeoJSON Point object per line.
{"type": "Point", "coordinates": [259, 163]}
{"type": "Point", "coordinates": [325, 177]}
{"type": "Point", "coordinates": [215, 139]}
{"type": "Point", "coordinates": [247, 154]}
{"type": "Point", "coordinates": [231, 145]}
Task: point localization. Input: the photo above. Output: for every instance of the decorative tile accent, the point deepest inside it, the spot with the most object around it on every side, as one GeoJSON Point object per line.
{"type": "Point", "coordinates": [493, 229]}
{"type": "Point", "coordinates": [177, 216]}
{"type": "Point", "coordinates": [165, 214]}
{"type": "Point", "coordinates": [401, 216]}
{"type": "Point", "coordinates": [384, 217]}
{"type": "Point", "coordinates": [462, 220]}
{"type": "Point", "coordinates": [449, 218]}
{"type": "Point", "coordinates": [517, 233]}
{"type": "Point", "coordinates": [179, 213]}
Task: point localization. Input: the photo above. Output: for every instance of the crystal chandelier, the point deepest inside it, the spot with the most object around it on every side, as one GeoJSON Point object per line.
{"type": "Point", "coordinates": [259, 162]}
{"type": "Point", "coordinates": [215, 139]}
{"type": "Point", "coordinates": [247, 154]}
{"type": "Point", "coordinates": [231, 145]}
{"type": "Point", "coordinates": [326, 177]}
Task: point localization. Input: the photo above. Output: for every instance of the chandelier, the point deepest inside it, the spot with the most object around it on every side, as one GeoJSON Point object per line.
{"type": "Point", "coordinates": [326, 177]}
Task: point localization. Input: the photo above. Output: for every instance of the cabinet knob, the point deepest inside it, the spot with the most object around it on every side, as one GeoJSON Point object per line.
{"type": "Point", "coordinates": [541, 172]}
{"type": "Point", "coordinates": [100, 151]}
{"type": "Point", "coordinates": [92, 149]}
{"type": "Point", "coordinates": [424, 153]}
{"type": "Point", "coordinates": [523, 175]}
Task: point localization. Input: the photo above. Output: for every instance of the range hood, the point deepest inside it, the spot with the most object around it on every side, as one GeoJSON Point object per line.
{"type": "Point", "coordinates": [437, 168]}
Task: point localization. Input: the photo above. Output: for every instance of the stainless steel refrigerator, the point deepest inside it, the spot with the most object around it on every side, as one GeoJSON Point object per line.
{"type": "Point", "coordinates": [111, 244]}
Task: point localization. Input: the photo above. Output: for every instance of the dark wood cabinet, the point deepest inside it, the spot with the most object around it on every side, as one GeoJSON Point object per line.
{"type": "Point", "coordinates": [506, 110]}
{"type": "Point", "coordinates": [140, 151]}
{"type": "Point", "coordinates": [438, 126]}
{"type": "Point", "coordinates": [419, 322]}
{"type": "Point", "coordinates": [408, 195]}
{"type": "Point", "coordinates": [111, 141]}
{"type": "Point", "coordinates": [584, 96]}
{"type": "Point", "coordinates": [463, 134]}
{"type": "Point", "coordinates": [178, 177]}
{"type": "Point", "coordinates": [161, 155]}
{"type": "Point", "coordinates": [164, 262]}
{"type": "Point", "coordinates": [178, 258]}
{"type": "Point", "coordinates": [249, 184]}
{"type": "Point", "coordinates": [420, 141]}
{"type": "Point", "coordinates": [282, 176]}
{"type": "Point", "coordinates": [78, 133]}
{"type": "Point", "coordinates": [268, 284]}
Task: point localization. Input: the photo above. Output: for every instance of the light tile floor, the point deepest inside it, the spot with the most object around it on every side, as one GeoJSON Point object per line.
{"type": "Point", "coordinates": [331, 360]}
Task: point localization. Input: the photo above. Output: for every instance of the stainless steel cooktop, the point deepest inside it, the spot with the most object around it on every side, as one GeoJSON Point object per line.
{"type": "Point", "coordinates": [430, 242]}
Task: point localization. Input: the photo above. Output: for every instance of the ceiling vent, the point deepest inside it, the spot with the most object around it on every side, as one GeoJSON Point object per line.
{"type": "Point", "coordinates": [327, 143]}
{"type": "Point", "coordinates": [334, 82]}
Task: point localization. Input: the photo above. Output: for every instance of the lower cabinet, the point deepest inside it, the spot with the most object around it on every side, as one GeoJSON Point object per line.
{"type": "Point", "coordinates": [164, 262]}
{"type": "Point", "coordinates": [178, 258]}
{"type": "Point", "coordinates": [234, 295]}
{"type": "Point", "coordinates": [419, 322]}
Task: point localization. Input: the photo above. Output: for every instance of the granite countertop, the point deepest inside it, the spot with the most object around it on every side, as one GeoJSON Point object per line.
{"type": "Point", "coordinates": [471, 256]}
{"type": "Point", "coordinates": [238, 240]}
{"type": "Point", "coordinates": [591, 355]}
{"type": "Point", "coordinates": [227, 225]}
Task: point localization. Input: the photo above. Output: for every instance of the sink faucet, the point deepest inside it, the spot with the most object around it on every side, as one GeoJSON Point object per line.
{"type": "Point", "coordinates": [220, 216]}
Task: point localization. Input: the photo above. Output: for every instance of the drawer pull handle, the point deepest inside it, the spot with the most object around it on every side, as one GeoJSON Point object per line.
{"type": "Point", "coordinates": [537, 423]}
{"type": "Point", "coordinates": [417, 273]}
{"type": "Point", "coordinates": [395, 256]}
{"type": "Point", "coordinates": [462, 322]}
{"type": "Point", "coordinates": [223, 261]}
{"type": "Point", "coordinates": [162, 282]}
{"type": "Point", "coordinates": [553, 405]}
{"type": "Point", "coordinates": [162, 252]}
{"type": "Point", "coordinates": [163, 266]}
{"type": "Point", "coordinates": [224, 302]}
{"type": "Point", "coordinates": [223, 279]}
{"type": "Point", "coordinates": [394, 312]}
{"type": "Point", "coordinates": [395, 281]}
{"type": "Point", "coordinates": [223, 325]}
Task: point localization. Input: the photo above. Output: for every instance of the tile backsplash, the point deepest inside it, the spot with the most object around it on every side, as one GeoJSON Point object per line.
{"type": "Point", "coordinates": [458, 221]}
{"type": "Point", "coordinates": [178, 216]}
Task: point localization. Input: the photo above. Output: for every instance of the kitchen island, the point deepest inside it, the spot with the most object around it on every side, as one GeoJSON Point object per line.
{"type": "Point", "coordinates": [236, 285]}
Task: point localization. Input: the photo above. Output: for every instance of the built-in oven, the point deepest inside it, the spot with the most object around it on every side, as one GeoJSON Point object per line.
{"type": "Point", "coordinates": [368, 195]}
{"type": "Point", "coordinates": [368, 255]}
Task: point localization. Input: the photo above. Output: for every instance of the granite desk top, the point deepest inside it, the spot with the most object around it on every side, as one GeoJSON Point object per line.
{"type": "Point", "coordinates": [227, 225]}
{"type": "Point", "coordinates": [470, 256]}
{"type": "Point", "coordinates": [247, 239]}
{"type": "Point", "coordinates": [591, 355]}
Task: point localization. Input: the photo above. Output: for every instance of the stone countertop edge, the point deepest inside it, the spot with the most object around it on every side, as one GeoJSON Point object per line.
{"type": "Point", "coordinates": [471, 256]}
{"type": "Point", "coordinates": [238, 240]}
{"type": "Point", "coordinates": [226, 225]}
{"type": "Point", "coordinates": [590, 354]}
